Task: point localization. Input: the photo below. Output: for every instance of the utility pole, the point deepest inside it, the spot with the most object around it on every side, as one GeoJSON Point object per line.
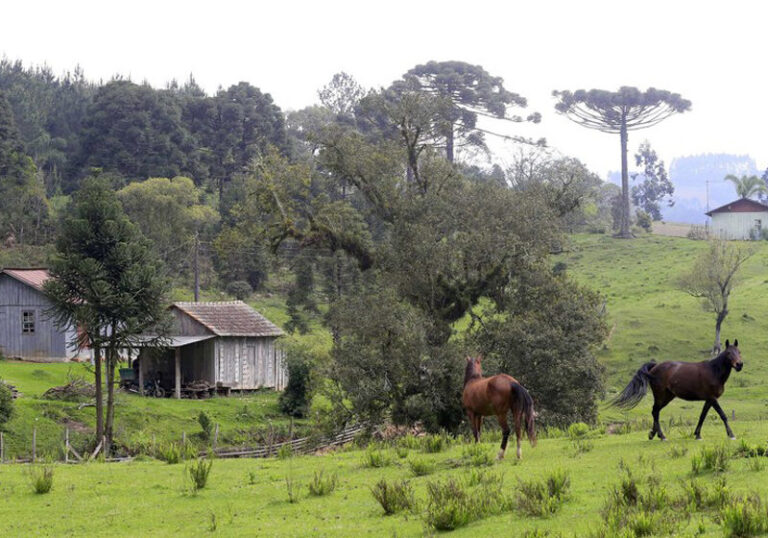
{"type": "Point", "coordinates": [706, 222]}
{"type": "Point", "coordinates": [197, 267]}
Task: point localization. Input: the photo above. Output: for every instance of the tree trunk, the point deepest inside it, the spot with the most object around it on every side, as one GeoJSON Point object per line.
{"type": "Point", "coordinates": [109, 427]}
{"type": "Point", "coordinates": [718, 323]}
{"type": "Point", "coordinates": [449, 145]}
{"type": "Point", "coordinates": [99, 395]}
{"type": "Point", "coordinates": [624, 231]}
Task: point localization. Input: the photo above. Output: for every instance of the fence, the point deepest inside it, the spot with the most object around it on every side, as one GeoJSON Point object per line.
{"type": "Point", "coordinates": [302, 445]}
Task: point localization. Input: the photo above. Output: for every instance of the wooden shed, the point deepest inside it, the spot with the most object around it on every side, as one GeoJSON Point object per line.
{"type": "Point", "coordinates": [228, 344]}
{"type": "Point", "coordinates": [26, 331]}
{"type": "Point", "coordinates": [741, 219]}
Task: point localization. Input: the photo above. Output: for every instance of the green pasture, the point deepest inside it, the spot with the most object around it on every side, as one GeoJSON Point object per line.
{"type": "Point", "coordinates": [249, 497]}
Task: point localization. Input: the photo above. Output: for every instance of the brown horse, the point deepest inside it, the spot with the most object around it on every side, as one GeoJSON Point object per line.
{"type": "Point", "coordinates": [497, 395]}
{"type": "Point", "coordinates": [703, 380]}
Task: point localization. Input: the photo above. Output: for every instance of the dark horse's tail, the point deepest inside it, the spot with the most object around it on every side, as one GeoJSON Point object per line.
{"type": "Point", "coordinates": [636, 389]}
{"type": "Point", "coordinates": [522, 407]}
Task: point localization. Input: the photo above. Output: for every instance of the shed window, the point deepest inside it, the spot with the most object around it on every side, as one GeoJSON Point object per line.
{"type": "Point", "coordinates": [758, 224]}
{"type": "Point", "coordinates": [28, 322]}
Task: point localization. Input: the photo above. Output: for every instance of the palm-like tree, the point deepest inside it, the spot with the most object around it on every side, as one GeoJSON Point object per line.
{"type": "Point", "coordinates": [747, 186]}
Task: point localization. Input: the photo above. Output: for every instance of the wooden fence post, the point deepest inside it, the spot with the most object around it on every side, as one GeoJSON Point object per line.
{"type": "Point", "coordinates": [2, 448]}
{"type": "Point", "coordinates": [183, 438]}
{"type": "Point", "coordinates": [216, 436]}
{"type": "Point", "coordinates": [66, 445]}
{"type": "Point", "coordinates": [34, 444]}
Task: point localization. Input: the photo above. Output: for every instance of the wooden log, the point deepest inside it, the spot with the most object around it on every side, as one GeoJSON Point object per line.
{"type": "Point", "coordinates": [98, 448]}
{"type": "Point", "coordinates": [34, 444]}
{"type": "Point", "coordinates": [216, 436]}
{"type": "Point", "coordinates": [2, 448]}
{"type": "Point", "coordinates": [78, 456]}
{"type": "Point", "coordinates": [66, 445]}
{"type": "Point", "coordinates": [141, 376]}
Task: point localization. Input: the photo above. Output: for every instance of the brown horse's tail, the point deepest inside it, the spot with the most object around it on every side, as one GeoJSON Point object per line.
{"type": "Point", "coordinates": [636, 389]}
{"type": "Point", "coordinates": [522, 404]}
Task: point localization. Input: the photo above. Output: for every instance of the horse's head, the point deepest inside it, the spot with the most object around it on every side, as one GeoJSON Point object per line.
{"type": "Point", "coordinates": [474, 367]}
{"type": "Point", "coordinates": [733, 355]}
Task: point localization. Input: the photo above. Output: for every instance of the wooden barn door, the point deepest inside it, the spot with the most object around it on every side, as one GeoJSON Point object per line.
{"type": "Point", "coordinates": [249, 367]}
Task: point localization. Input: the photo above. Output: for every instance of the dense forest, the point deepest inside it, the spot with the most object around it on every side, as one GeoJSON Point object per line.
{"type": "Point", "coordinates": [378, 213]}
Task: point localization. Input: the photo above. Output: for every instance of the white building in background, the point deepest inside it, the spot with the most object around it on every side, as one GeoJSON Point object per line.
{"type": "Point", "coordinates": [742, 219]}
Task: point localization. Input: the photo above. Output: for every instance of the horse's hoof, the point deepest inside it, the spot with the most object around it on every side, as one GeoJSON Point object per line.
{"type": "Point", "coordinates": [651, 436]}
{"type": "Point", "coordinates": [698, 437]}
{"type": "Point", "coordinates": [732, 437]}
{"type": "Point", "coordinates": [663, 439]}
{"type": "Point", "coordinates": [500, 456]}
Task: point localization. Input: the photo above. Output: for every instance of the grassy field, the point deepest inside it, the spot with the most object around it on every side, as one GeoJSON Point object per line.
{"type": "Point", "coordinates": [649, 318]}
{"type": "Point", "coordinates": [250, 497]}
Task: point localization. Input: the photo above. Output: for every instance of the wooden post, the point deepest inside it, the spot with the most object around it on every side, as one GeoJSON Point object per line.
{"type": "Point", "coordinates": [2, 448]}
{"type": "Point", "coordinates": [216, 436]}
{"type": "Point", "coordinates": [177, 375]}
{"type": "Point", "coordinates": [183, 438]}
{"type": "Point", "coordinates": [66, 445]}
{"type": "Point", "coordinates": [34, 444]}
{"type": "Point", "coordinates": [141, 375]}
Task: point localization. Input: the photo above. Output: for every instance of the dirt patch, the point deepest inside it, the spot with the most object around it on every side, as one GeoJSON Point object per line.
{"type": "Point", "coordinates": [76, 426]}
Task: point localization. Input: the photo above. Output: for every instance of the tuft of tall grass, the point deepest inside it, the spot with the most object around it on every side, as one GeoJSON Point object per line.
{"type": "Point", "coordinates": [394, 496]}
{"type": "Point", "coordinates": [475, 455]}
{"type": "Point", "coordinates": [541, 498]}
{"type": "Point", "coordinates": [41, 478]}
{"type": "Point", "coordinates": [434, 443]}
{"type": "Point", "coordinates": [421, 467]}
{"type": "Point", "coordinates": [375, 457]}
{"type": "Point", "coordinates": [322, 485]}
{"type": "Point", "coordinates": [715, 459]}
{"type": "Point", "coordinates": [198, 473]}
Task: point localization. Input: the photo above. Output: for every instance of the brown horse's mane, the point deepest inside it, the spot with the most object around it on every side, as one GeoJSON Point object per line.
{"type": "Point", "coordinates": [721, 365]}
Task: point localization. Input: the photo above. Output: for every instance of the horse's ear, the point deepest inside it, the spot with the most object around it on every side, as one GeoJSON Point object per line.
{"type": "Point", "coordinates": [479, 359]}
{"type": "Point", "coordinates": [727, 344]}
{"type": "Point", "coordinates": [736, 343]}
{"type": "Point", "coordinates": [469, 359]}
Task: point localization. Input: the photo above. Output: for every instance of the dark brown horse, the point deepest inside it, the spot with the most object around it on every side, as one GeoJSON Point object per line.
{"type": "Point", "coordinates": [703, 380]}
{"type": "Point", "coordinates": [497, 395]}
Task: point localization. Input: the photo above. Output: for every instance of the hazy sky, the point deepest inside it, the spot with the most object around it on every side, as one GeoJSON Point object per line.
{"type": "Point", "coordinates": [713, 53]}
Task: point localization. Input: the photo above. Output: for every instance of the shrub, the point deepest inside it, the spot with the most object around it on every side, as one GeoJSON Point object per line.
{"type": "Point", "coordinates": [6, 404]}
{"type": "Point", "coordinates": [198, 473]}
{"type": "Point", "coordinates": [375, 458]}
{"type": "Point", "coordinates": [432, 444]}
{"type": "Point", "coordinates": [744, 518]}
{"type": "Point", "coordinates": [284, 452]}
{"type": "Point", "coordinates": [173, 453]}
{"type": "Point", "coordinates": [292, 488]}
{"type": "Point", "coordinates": [715, 459]}
{"type": "Point", "coordinates": [394, 496]}
{"type": "Point", "coordinates": [449, 507]}
{"type": "Point", "coordinates": [410, 442]}
{"type": "Point", "coordinates": [240, 289]}
{"type": "Point", "coordinates": [475, 455]}
{"type": "Point", "coordinates": [401, 452]}
{"type": "Point", "coordinates": [41, 478]}
{"type": "Point", "coordinates": [322, 485]}
{"type": "Point", "coordinates": [543, 498]}
{"type": "Point", "coordinates": [299, 362]}
{"type": "Point", "coordinates": [421, 467]}
{"type": "Point", "coordinates": [206, 424]}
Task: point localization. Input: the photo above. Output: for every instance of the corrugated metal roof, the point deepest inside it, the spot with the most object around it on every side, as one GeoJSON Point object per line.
{"type": "Point", "coordinates": [171, 341]}
{"type": "Point", "coordinates": [35, 276]}
{"type": "Point", "coordinates": [742, 205]}
{"type": "Point", "coordinates": [231, 318]}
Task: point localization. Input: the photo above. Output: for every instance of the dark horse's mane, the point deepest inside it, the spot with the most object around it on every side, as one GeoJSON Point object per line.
{"type": "Point", "coordinates": [721, 365]}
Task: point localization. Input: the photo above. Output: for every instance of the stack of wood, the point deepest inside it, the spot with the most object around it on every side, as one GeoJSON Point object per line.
{"type": "Point", "coordinates": [76, 389]}
{"type": "Point", "coordinates": [14, 393]}
{"type": "Point", "coordinates": [199, 389]}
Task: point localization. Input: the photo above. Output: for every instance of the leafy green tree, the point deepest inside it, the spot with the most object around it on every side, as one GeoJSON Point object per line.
{"type": "Point", "coordinates": [341, 95]}
{"type": "Point", "coordinates": [240, 257]}
{"type": "Point", "coordinates": [620, 112]}
{"type": "Point", "coordinates": [23, 205]}
{"type": "Point", "coordinates": [301, 364]}
{"type": "Point", "coordinates": [107, 282]}
{"type": "Point", "coordinates": [747, 186]}
{"type": "Point", "coordinates": [655, 184]}
{"type": "Point", "coordinates": [465, 92]}
{"type": "Point", "coordinates": [713, 276]}
{"type": "Point", "coordinates": [171, 213]}
{"type": "Point", "coordinates": [136, 131]}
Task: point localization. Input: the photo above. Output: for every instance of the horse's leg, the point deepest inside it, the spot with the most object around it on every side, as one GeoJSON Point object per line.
{"type": "Point", "coordinates": [697, 432]}
{"type": "Point", "coordinates": [504, 434]}
{"type": "Point", "coordinates": [658, 405]}
{"type": "Point", "coordinates": [725, 419]}
{"type": "Point", "coordinates": [473, 424]}
{"type": "Point", "coordinates": [479, 420]}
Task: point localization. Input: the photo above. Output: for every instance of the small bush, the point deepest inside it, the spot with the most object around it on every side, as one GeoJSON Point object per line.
{"type": "Point", "coordinates": [432, 444]}
{"type": "Point", "coordinates": [410, 441]}
{"type": "Point", "coordinates": [6, 404]}
{"type": "Point", "coordinates": [198, 473]}
{"type": "Point", "coordinates": [173, 453]}
{"type": "Point", "coordinates": [322, 485]}
{"type": "Point", "coordinates": [284, 452]}
{"type": "Point", "coordinates": [475, 455]}
{"type": "Point", "coordinates": [715, 459]}
{"type": "Point", "coordinates": [449, 507]}
{"type": "Point", "coordinates": [421, 467]}
{"type": "Point", "coordinates": [206, 424]}
{"type": "Point", "coordinates": [394, 496]}
{"type": "Point", "coordinates": [744, 518]}
{"type": "Point", "coordinates": [678, 451]}
{"type": "Point", "coordinates": [375, 458]}
{"type": "Point", "coordinates": [240, 289]}
{"type": "Point", "coordinates": [543, 498]}
{"type": "Point", "coordinates": [41, 478]}
{"type": "Point", "coordinates": [401, 452]}
{"type": "Point", "coordinates": [578, 430]}
{"type": "Point", "coordinates": [292, 488]}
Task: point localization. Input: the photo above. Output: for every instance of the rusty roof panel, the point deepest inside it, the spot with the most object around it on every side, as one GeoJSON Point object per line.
{"type": "Point", "coordinates": [230, 318]}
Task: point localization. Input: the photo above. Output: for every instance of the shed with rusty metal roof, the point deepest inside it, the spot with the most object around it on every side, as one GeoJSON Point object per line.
{"type": "Point", "coordinates": [228, 344]}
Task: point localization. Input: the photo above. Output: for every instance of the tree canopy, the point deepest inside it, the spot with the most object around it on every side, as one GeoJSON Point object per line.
{"type": "Point", "coordinates": [625, 110]}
